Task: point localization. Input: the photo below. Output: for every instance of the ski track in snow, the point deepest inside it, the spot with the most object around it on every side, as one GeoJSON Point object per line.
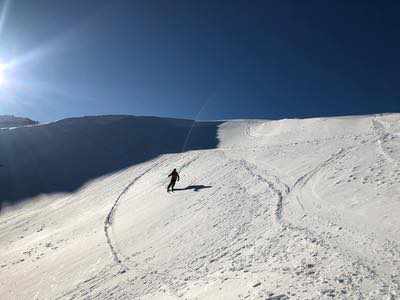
{"type": "Point", "coordinates": [273, 225]}
{"type": "Point", "coordinates": [280, 194]}
{"type": "Point", "coordinates": [382, 135]}
{"type": "Point", "coordinates": [111, 214]}
{"type": "Point", "coordinates": [295, 191]}
{"type": "Point", "coordinates": [109, 221]}
{"type": "Point", "coordinates": [302, 180]}
{"type": "Point", "coordinates": [305, 178]}
{"type": "Point", "coordinates": [287, 191]}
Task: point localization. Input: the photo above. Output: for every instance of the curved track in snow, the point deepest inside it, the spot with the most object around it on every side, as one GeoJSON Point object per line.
{"type": "Point", "coordinates": [109, 218]}
{"type": "Point", "coordinates": [109, 221]}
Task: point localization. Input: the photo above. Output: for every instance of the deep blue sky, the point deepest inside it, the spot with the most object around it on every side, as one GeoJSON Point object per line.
{"type": "Point", "coordinates": [234, 59]}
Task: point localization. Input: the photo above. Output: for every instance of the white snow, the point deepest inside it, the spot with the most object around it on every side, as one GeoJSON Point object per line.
{"type": "Point", "coordinates": [288, 209]}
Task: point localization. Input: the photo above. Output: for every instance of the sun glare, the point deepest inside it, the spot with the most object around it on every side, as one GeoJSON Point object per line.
{"type": "Point", "coordinates": [2, 75]}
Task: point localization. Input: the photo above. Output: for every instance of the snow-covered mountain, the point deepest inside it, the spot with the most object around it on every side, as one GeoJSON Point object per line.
{"type": "Point", "coordinates": [7, 121]}
{"type": "Point", "coordinates": [64, 155]}
{"type": "Point", "coordinates": [288, 209]}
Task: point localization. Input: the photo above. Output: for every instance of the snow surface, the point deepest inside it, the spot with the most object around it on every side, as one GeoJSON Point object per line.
{"type": "Point", "coordinates": [10, 122]}
{"type": "Point", "coordinates": [288, 209]}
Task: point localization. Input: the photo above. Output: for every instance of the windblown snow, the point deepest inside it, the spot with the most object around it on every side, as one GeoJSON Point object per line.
{"type": "Point", "coordinates": [288, 209]}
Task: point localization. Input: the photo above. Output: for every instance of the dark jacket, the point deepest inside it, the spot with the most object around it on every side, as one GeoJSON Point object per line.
{"type": "Point", "coordinates": [174, 175]}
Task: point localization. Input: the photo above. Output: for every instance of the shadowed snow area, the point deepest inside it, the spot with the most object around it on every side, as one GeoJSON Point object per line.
{"type": "Point", "coordinates": [288, 209]}
{"type": "Point", "coordinates": [63, 156]}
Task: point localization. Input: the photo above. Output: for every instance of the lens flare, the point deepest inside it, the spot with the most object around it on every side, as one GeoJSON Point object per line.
{"type": "Point", "coordinates": [2, 75]}
{"type": "Point", "coordinates": [3, 14]}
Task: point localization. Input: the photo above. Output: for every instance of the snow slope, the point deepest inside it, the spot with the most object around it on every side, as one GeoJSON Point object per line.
{"type": "Point", "coordinates": [7, 122]}
{"type": "Point", "coordinates": [288, 209]}
{"type": "Point", "coordinates": [62, 156]}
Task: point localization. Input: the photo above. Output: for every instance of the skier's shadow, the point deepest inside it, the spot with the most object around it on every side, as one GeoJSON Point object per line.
{"type": "Point", "coordinates": [195, 188]}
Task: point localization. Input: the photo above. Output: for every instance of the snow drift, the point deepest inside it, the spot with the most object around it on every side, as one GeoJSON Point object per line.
{"type": "Point", "coordinates": [288, 209]}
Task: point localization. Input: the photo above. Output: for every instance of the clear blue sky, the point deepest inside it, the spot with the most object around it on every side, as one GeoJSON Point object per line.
{"type": "Point", "coordinates": [199, 59]}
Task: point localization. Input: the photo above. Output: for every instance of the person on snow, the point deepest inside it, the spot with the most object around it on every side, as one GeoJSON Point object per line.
{"type": "Point", "coordinates": [174, 177]}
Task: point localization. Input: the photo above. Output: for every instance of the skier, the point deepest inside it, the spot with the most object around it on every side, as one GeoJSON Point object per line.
{"type": "Point", "coordinates": [174, 177]}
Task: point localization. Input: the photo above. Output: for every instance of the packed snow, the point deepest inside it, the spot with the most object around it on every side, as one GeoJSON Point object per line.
{"type": "Point", "coordinates": [288, 209]}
